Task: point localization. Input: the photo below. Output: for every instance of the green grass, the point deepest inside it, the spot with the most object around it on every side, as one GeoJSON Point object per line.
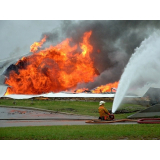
{"type": "Point", "coordinates": [86, 132]}
{"type": "Point", "coordinates": [75, 107]}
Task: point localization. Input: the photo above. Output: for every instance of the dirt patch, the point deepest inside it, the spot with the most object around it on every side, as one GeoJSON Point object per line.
{"type": "Point", "coordinates": [17, 112]}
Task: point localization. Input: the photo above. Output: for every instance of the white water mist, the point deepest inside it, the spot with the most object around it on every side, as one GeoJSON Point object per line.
{"type": "Point", "coordinates": [142, 70]}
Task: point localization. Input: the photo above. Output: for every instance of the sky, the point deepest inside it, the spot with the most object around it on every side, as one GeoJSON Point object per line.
{"type": "Point", "coordinates": [16, 36]}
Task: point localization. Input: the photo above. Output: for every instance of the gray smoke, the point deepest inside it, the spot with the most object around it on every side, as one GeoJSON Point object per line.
{"type": "Point", "coordinates": [116, 41]}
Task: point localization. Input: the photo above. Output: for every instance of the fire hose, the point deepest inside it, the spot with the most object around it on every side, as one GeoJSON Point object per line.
{"type": "Point", "coordinates": [111, 116]}
{"type": "Point", "coordinates": [141, 121]}
{"type": "Point", "coordinates": [113, 121]}
{"type": "Point", "coordinates": [149, 120]}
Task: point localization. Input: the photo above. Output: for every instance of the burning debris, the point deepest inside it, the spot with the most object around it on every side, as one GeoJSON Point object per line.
{"type": "Point", "coordinates": [55, 69]}
{"type": "Point", "coordinates": [108, 88]}
{"type": "Point", "coordinates": [77, 56]}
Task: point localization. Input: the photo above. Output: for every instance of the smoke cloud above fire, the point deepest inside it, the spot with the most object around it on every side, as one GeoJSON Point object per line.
{"type": "Point", "coordinates": [113, 44]}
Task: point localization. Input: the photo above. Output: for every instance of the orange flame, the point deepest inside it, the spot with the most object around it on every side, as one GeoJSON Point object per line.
{"type": "Point", "coordinates": [53, 69]}
{"type": "Point", "coordinates": [36, 45]}
{"type": "Point", "coordinates": [81, 90]}
{"type": "Point", "coordinates": [85, 46]}
{"type": "Point", "coordinates": [106, 88]}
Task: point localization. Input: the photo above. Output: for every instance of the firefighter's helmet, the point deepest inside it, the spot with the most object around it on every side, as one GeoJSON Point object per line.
{"type": "Point", "coordinates": [101, 102]}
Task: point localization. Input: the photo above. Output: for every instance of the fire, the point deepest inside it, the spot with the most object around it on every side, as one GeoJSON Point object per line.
{"type": "Point", "coordinates": [81, 90]}
{"type": "Point", "coordinates": [53, 69]}
{"type": "Point", "coordinates": [86, 47]}
{"type": "Point", "coordinates": [106, 88]}
{"type": "Point", "coordinates": [56, 68]}
{"type": "Point", "coordinates": [36, 45]}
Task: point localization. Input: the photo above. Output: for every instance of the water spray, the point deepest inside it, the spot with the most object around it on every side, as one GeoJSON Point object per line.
{"type": "Point", "coordinates": [142, 71]}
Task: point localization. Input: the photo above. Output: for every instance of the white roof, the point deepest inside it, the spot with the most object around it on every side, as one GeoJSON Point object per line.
{"type": "Point", "coordinates": [21, 96]}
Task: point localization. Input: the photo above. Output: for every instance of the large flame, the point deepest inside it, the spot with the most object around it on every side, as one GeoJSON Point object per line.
{"type": "Point", "coordinates": [54, 69]}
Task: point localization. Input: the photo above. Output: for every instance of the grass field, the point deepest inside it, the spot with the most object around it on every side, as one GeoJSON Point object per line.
{"type": "Point", "coordinates": [86, 132]}
{"type": "Point", "coordinates": [91, 132]}
{"type": "Point", "coordinates": [75, 107]}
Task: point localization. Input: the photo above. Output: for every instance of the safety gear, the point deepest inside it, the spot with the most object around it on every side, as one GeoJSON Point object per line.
{"type": "Point", "coordinates": [103, 112]}
{"type": "Point", "coordinates": [101, 102]}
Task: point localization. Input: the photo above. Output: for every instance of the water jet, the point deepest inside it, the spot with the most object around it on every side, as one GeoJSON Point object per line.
{"type": "Point", "coordinates": [141, 72]}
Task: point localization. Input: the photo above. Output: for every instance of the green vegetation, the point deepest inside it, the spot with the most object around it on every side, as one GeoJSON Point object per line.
{"type": "Point", "coordinates": [75, 107]}
{"type": "Point", "coordinates": [86, 132]}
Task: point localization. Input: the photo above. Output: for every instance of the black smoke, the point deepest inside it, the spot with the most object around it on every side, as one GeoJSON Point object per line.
{"type": "Point", "coordinates": [115, 39]}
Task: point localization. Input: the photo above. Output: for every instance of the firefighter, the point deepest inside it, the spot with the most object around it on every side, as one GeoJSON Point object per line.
{"type": "Point", "coordinates": [103, 112]}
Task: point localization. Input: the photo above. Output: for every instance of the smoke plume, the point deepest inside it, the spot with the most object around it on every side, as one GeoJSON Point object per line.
{"type": "Point", "coordinates": [114, 42]}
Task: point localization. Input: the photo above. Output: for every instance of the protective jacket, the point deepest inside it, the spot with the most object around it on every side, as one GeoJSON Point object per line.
{"type": "Point", "coordinates": [103, 113]}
